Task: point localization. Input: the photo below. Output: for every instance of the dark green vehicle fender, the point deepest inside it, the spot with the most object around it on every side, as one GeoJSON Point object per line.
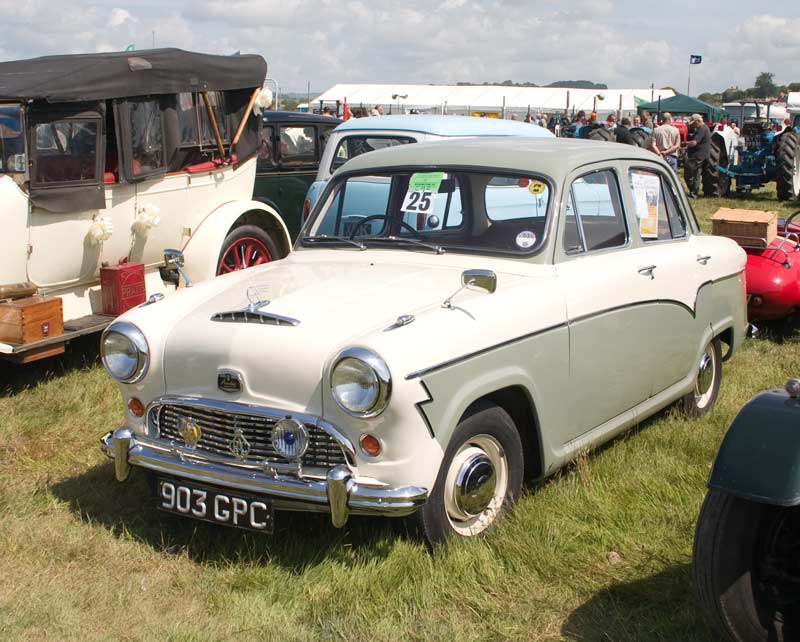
{"type": "Point", "coordinates": [759, 458]}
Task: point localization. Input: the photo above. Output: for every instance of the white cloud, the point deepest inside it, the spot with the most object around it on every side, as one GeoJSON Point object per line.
{"type": "Point", "coordinates": [119, 17]}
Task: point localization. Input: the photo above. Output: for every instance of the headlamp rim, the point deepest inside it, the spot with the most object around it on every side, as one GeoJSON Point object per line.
{"type": "Point", "coordinates": [137, 338]}
{"type": "Point", "coordinates": [382, 374]}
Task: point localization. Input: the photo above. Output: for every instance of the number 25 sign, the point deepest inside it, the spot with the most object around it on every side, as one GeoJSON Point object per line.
{"type": "Point", "coordinates": [422, 191]}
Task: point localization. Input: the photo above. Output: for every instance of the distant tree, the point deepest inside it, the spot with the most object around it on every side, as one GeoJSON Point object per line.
{"type": "Point", "coordinates": [711, 99]}
{"type": "Point", "coordinates": [764, 86]}
{"type": "Point", "coordinates": [793, 86]}
{"type": "Point", "coordinates": [732, 93]}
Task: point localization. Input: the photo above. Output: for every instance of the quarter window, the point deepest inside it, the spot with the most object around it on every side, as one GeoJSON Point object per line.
{"type": "Point", "coordinates": [66, 151]}
{"type": "Point", "coordinates": [353, 146]}
{"type": "Point", "coordinates": [657, 213]}
{"type": "Point", "coordinates": [594, 218]}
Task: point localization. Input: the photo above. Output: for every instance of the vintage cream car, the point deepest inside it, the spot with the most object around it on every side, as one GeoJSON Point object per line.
{"type": "Point", "coordinates": [493, 309]}
{"type": "Point", "coordinates": [115, 157]}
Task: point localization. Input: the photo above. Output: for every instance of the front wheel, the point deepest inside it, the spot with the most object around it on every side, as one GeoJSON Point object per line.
{"type": "Point", "coordinates": [708, 376]}
{"type": "Point", "coordinates": [747, 568]}
{"type": "Point", "coordinates": [787, 177]}
{"type": "Point", "coordinates": [244, 247]}
{"type": "Point", "coordinates": [480, 477]}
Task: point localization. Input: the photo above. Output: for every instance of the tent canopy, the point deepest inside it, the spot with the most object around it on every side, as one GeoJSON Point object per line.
{"type": "Point", "coordinates": [683, 104]}
{"type": "Point", "coordinates": [88, 77]}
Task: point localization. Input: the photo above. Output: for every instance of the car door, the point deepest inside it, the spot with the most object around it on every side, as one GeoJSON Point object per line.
{"type": "Point", "coordinates": [612, 317]}
{"type": "Point", "coordinates": [663, 229]}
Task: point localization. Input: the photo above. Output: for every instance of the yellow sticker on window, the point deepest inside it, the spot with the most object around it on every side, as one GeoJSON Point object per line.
{"type": "Point", "coordinates": [536, 187]}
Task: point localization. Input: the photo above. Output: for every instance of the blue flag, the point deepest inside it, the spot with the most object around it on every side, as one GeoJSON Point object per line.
{"type": "Point", "coordinates": [695, 59]}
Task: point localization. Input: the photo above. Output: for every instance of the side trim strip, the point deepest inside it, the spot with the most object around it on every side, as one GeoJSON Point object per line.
{"type": "Point", "coordinates": [421, 411]}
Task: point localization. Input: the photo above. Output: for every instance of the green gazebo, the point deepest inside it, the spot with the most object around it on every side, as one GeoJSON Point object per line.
{"type": "Point", "coordinates": [680, 104]}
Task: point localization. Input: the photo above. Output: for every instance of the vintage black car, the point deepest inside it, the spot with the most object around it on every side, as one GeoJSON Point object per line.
{"type": "Point", "coordinates": [291, 147]}
{"type": "Point", "coordinates": [747, 542]}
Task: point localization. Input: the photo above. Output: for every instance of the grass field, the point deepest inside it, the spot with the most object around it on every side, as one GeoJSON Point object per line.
{"type": "Point", "coordinates": [601, 552]}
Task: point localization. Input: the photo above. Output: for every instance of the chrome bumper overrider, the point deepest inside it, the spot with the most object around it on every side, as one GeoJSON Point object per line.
{"type": "Point", "coordinates": [338, 492]}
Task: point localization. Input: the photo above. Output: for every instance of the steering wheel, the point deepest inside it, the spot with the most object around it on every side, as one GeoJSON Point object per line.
{"type": "Point", "coordinates": [376, 217]}
{"type": "Point", "coordinates": [787, 221]}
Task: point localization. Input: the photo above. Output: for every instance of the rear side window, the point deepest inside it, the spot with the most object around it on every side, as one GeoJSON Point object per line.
{"type": "Point", "coordinates": [594, 218]}
{"type": "Point", "coordinates": [297, 144]}
{"type": "Point", "coordinates": [147, 135]}
{"type": "Point", "coordinates": [657, 212]}
{"type": "Point", "coordinates": [352, 146]}
{"type": "Point", "coordinates": [66, 151]}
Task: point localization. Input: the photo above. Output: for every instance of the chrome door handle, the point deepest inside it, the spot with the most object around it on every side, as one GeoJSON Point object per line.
{"type": "Point", "coordinates": [648, 271]}
{"type": "Point", "coordinates": [703, 260]}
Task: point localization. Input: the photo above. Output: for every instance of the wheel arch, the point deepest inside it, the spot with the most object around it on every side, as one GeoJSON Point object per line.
{"type": "Point", "coordinates": [758, 457]}
{"type": "Point", "coordinates": [201, 250]}
{"type": "Point", "coordinates": [517, 402]}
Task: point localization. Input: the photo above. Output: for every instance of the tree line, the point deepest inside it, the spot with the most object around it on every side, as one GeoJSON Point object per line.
{"type": "Point", "coordinates": [763, 88]}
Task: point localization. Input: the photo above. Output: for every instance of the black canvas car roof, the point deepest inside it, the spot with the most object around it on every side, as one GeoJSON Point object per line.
{"type": "Point", "coordinates": [88, 77]}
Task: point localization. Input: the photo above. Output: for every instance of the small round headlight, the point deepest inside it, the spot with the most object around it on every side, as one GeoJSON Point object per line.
{"type": "Point", "coordinates": [124, 351]}
{"type": "Point", "coordinates": [290, 439]}
{"type": "Point", "coordinates": [360, 382]}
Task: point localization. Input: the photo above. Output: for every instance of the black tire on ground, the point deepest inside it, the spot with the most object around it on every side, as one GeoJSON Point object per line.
{"type": "Point", "coordinates": [731, 546]}
{"type": "Point", "coordinates": [716, 183]}
{"type": "Point", "coordinates": [707, 381]}
{"type": "Point", "coordinates": [251, 231]}
{"type": "Point", "coordinates": [787, 159]}
{"type": "Point", "coordinates": [642, 139]}
{"type": "Point", "coordinates": [488, 426]}
{"type": "Point", "coordinates": [601, 133]}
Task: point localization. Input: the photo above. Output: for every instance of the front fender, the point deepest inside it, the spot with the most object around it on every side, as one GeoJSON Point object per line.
{"type": "Point", "coordinates": [201, 251]}
{"type": "Point", "coordinates": [759, 458]}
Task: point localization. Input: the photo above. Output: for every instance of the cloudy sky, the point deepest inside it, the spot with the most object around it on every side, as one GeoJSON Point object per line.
{"type": "Point", "coordinates": [624, 43]}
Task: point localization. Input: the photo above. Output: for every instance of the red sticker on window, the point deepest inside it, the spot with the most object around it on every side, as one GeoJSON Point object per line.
{"type": "Point", "coordinates": [523, 182]}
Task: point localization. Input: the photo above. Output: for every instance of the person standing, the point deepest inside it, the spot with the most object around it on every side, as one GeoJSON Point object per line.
{"type": "Point", "coordinates": [647, 119]}
{"type": "Point", "coordinates": [698, 152]}
{"type": "Point", "coordinates": [623, 133]}
{"type": "Point", "coordinates": [667, 141]}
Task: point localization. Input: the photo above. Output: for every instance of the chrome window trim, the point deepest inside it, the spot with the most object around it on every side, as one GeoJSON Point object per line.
{"type": "Point", "coordinates": [236, 408]}
{"type": "Point", "coordinates": [380, 369]}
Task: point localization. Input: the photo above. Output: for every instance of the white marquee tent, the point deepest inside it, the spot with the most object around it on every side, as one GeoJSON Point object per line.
{"type": "Point", "coordinates": [468, 98]}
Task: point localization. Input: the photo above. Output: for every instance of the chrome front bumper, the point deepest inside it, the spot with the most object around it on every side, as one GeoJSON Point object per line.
{"type": "Point", "coordinates": [338, 492]}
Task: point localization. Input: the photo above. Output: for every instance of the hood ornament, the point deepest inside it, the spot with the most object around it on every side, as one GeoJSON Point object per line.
{"type": "Point", "coordinates": [190, 431]}
{"type": "Point", "coordinates": [256, 295]}
{"type": "Point", "coordinates": [403, 319]}
{"type": "Point", "coordinates": [229, 381]}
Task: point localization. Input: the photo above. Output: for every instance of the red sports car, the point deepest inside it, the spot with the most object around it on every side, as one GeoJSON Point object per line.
{"type": "Point", "coordinates": [773, 274]}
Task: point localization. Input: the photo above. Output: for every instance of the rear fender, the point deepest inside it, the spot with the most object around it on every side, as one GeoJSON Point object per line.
{"type": "Point", "coordinates": [759, 458]}
{"type": "Point", "coordinates": [202, 250]}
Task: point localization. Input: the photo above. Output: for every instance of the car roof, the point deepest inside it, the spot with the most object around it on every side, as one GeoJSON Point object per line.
{"type": "Point", "coordinates": [445, 126]}
{"type": "Point", "coordinates": [299, 117]}
{"type": "Point", "coordinates": [555, 157]}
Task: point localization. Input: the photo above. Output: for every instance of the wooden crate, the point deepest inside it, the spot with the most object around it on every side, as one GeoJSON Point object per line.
{"type": "Point", "coordinates": [31, 319]}
{"type": "Point", "coordinates": [746, 227]}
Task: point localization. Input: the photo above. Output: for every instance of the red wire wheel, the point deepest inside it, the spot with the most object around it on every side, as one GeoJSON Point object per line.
{"type": "Point", "coordinates": [245, 247]}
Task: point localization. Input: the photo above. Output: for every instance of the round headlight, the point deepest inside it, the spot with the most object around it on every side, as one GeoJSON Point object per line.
{"type": "Point", "coordinates": [361, 382]}
{"type": "Point", "coordinates": [290, 439]}
{"type": "Point", "coordinates": [124, 351]}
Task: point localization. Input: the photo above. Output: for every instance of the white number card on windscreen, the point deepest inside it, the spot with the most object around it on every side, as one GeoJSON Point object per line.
{"type": "Point", "coordinates": [422, 191]}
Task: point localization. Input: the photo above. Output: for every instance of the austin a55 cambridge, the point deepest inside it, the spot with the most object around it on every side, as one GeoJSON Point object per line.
{"type": "Point", "coordinates": [455, 317]}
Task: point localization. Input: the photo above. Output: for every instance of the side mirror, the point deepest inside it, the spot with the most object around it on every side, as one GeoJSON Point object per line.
{"type": "Point", "coordinates": [479, 280]}
{"type": "Point", "coordinates": [173, 258]}
{"type": "Point", "coordinates": [172, 270]}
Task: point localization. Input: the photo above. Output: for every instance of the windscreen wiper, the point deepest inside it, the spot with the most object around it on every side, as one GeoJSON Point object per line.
{"type": "Point", "coordinates": [324, 238]}
{"type": "Point", "coordinates": [437, 249]}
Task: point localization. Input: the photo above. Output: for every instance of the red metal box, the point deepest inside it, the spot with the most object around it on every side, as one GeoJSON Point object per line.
{"type": "Point", "coordinates": [122, 287]}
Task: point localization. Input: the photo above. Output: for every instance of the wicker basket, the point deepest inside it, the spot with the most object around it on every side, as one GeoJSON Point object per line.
{"type": "Point", "coordinates": [747, 227]}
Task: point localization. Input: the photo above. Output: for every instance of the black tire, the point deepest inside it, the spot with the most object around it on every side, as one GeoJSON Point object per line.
{"type": "Point", "coordinates": [494, 424]}
{"type": "Point", "coordinates": [702, 399]}
{"type": "Point", "coordinates": [716, 183]}
{"type": "Point", "coordinates": [248, 231]}
{"type": "Point", "coordinates": [603, 134]}
{"type": "Point", "coordinates": [642, 138]}
{"type": "Point", "coordinates": [787, 160]}
{"type": "Point", "coordinates": [733, 539]}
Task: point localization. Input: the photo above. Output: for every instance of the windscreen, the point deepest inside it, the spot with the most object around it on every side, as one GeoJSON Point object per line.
{"type": "Point", "coordinates": [436, 209]}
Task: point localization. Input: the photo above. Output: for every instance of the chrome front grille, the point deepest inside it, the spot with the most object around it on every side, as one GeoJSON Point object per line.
{"type": "Point", "coordinates": [219, 427]}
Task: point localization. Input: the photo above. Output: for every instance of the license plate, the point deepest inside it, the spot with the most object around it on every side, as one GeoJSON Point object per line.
{"type": "Point", "coordinates": [215, 505]}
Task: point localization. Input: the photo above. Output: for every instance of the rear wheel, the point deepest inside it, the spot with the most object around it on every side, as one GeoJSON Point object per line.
{"type": "Point", "coordinates": [244, 247]}
{"type": "Point", "coordinates": [747, 569]}
{"type": "Point", "coordinates": [601, 133]}
{"type": "Point", "coordinates": [787, 179]}
{"type": "Point", "coordinates": [641, 138]}
{"type": "Point", "coordinates": [708, 376]}
{"type": "Point", "coordinates": [715, 182]}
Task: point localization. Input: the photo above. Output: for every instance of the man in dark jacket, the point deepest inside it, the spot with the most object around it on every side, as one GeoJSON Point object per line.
{"type": "Point", "coordinates": [623, 132]}
{"type": "Point", "coordinates": [698, 153]}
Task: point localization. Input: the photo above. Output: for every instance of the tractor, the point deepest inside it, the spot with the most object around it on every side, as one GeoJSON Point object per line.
{"type": "Point", "coordinates": [761, 155]}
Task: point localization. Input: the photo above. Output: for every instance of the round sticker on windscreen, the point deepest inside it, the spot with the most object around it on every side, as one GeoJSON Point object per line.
{"type": "Point", "coordinates": [526, 239]}
{"type": "Point", "coordinates": [536, 187]}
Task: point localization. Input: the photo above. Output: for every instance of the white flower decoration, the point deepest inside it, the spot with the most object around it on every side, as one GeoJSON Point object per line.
{"type": "Point", "coordinates": [100, 230]}
{"type": "Point", "coordinates": [263, 100]}
{"type": "Point", "coordinates": [147, 217]}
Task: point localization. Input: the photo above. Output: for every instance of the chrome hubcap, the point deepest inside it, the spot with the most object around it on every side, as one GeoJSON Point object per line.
{"type": "Point", "coordinates": [475, 485]}
{"type": "Point", "coordinates": [706, 373]}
